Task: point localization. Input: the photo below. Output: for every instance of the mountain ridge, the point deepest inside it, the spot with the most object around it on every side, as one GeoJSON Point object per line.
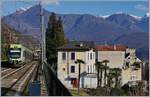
{"type": "Point", "coordinates": [82, 26]}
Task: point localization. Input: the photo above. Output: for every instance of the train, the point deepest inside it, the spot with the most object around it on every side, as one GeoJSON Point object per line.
{"type": "Point", "coordinates": [37, 54]}
{"type": "Point", "coordinates": [19, 54]}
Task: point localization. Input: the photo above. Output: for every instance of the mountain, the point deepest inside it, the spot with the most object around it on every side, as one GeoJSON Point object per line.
{"type": "Point", "coordinates": [130, 22]}
{"type": "Point", "coordinates": [88, 27]}
{"type": "Point", "coordinates": [144, 23]}
{"type": "Point", "coordinates": [140, 41]}
{"type": "Point", "coordinates": [82, 26]}
{"type": "Point", "coordinates": [10, 35]}
{"type": "Point", "coordinates": [28, 22]}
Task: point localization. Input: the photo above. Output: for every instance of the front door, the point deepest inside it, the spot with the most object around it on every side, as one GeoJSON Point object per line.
{"type": "Point", "coordinates": [74, 82]}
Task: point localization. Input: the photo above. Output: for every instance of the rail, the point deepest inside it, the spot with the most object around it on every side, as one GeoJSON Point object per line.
{"type": "Point", "coordinates": [54, 86]}
{"type": "Point", "coordinates": [15, 82]}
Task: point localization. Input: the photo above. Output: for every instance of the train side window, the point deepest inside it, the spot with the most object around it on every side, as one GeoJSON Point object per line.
{"type": "Point", "coordinates": [24, 54]}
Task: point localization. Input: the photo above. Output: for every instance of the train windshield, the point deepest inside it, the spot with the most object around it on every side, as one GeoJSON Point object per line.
{"type": "Point", "coordinates": [15, 53]}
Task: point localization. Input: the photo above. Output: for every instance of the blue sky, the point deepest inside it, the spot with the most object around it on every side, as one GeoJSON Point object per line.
{"type": "Point", "coordinates": [96, 7]}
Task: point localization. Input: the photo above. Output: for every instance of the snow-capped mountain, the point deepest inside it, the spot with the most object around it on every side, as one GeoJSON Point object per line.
{"type": "Point", "coordinates": [81, 26]}
{"type": "Point", "coordinates": [127, 21]}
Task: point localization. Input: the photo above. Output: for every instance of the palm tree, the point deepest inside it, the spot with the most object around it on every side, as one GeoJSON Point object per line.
{"type": "Point", "coordinates": [101, 74]}
{"type": "Point", "coordinates": [79, 61]}
{"type": "Point", "coordinates": [99, 68]}
{"type": "Point", "coordinates": [110, 77]}
{"type": "Point", "coordinates": [106, 67]}
{"type": "Point", "coordinates": [117, 72]}
{"type": "Point", "coordinates": [110, 81]}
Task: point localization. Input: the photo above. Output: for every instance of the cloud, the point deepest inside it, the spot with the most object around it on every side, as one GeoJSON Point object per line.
{"type": "Point", "coordinates": [46, 2]}
{"type": "Point", "coordinates": [141, 7]}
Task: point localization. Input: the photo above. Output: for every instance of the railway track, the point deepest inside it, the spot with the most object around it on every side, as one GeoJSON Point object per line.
{"type": "Point", "coordinates": [10, 71]}
{"type": "Point", "coordinates": [14, 83]}
{"type": "Point", "coordinates": [7, 71]}
{"type": "Point", "coordinates": [2, 69]}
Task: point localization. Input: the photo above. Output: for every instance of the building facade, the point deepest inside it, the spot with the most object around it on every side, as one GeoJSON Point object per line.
{"type": "Point", "coordinates": [67, 69]}
{"type": "Point", "coordinates": [132, 68]}
{"type": "Point", "coordinates": [119, 56]}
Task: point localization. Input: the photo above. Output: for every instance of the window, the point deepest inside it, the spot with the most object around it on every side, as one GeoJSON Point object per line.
{"type": "Point", "coordinates": [91, 56]}
{"type": "Point", "coordinates": [24, 54]}
{"type": "Point", "coordinates": [91, 68]}
{"type": "Point", "coordinates": [133, 77]}
{"type": "Point", "coordinates": [63, 69]}
{"type": "Point", "coordinates": [64, 56]}
{"type": "Point", "coordinates": [88, 68]}
{"type": "Point", "coordinates": [72, 69]}
{"type": "Point", "coordinates": [72, 56]}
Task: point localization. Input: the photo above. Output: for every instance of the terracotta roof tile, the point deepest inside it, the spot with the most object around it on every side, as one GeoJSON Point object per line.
{"type": "Point", "coordinates": [110, 48]}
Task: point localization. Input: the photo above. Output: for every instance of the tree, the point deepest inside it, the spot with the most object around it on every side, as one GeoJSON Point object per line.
{"type": "Point", "coordinates": [110, 77]}
{"type": "Point", "coordinates": [79, 62]}
{"type": "Point", "coordinates": [140, 88]}
{"type": "Point", "coordinates": [99, 68]}
{"type": "Point", "coordinates": [117, 74]}
{"type": "Point", "coordinates": [106, 67]}
{"type": "Point", "coordinates": [54, 38]}
{"type": "Point", "coordinates": [113, 77]}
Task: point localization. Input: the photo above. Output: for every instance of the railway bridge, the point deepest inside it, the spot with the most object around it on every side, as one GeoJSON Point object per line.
{"type": "Point", "coordinates": [31, 80]}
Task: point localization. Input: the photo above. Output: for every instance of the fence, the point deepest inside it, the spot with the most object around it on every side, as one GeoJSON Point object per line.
{"type": "Point", "coordinates": [54, 86]}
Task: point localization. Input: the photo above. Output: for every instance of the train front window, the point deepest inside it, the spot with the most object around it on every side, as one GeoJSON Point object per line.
{"type": "Point", "coordinates": [14, 54]}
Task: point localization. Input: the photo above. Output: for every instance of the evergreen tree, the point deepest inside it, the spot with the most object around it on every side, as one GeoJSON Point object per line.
{"type": "Point", "coordinates": [54, 38]}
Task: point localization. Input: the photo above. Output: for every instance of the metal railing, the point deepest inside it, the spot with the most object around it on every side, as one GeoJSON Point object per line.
{"type": "Point", "coordinates": [54, 86]}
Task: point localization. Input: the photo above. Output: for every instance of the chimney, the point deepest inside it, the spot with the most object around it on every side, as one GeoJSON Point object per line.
{"type": "Point", "coordinates": [114, 47]}
{"type": "Point", "coordinates": [105, 43]}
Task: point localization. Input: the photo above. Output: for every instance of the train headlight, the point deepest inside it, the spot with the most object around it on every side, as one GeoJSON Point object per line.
{"type": "Point", "coordinates": [10, 61]}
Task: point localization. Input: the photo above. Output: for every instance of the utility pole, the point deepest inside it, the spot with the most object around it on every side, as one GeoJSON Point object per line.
{"type": "Point", "coordinates": [42, 34]}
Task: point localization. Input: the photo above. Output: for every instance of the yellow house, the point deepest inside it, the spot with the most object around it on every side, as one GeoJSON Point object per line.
{"type": "Point", "coordinates": [67, 69]}
{"type": "Point", "coordinates": [132, 69]}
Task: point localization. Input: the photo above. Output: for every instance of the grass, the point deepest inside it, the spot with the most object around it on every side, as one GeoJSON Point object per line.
{"type": "Point", "coordinates": [81, 93]}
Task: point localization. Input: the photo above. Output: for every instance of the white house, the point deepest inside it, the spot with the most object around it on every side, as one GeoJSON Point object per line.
{"type": "Point", "coordinates": [67, 69]}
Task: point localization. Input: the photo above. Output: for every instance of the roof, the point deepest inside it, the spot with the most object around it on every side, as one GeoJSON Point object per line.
{"type": "Point", "coordinates": [110, 47]}
{"type": "Point", "coordinates": [77, 46]}
{"type": "Point", "coordinates": [15, 45]}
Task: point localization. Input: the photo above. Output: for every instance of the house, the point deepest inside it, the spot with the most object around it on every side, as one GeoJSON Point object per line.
{"type": "Point", "coordinates": [120, 56]}
{"type": "Point", "coordinates": [132, 68]}
{"type": "Point", "coordinates": [115, 54]}
{"type": "Point", "coordinates": [67, 69]}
